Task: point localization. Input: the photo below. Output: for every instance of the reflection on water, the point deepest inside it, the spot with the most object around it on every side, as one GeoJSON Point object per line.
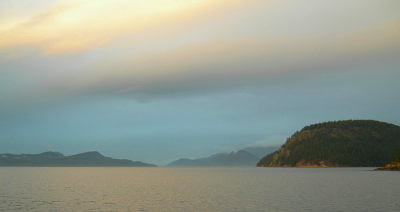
{"type": "Point", "coordinates": [198, 189]}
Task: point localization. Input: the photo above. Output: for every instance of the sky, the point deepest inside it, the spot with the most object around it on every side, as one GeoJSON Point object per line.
{"type": "Point", "coordinates": [159, 80]}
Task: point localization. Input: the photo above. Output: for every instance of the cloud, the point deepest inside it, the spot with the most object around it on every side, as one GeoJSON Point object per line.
{"type": "Point", "coordinates": [73, 26]}
{"type": "Point", "coordinates": [255, 59]}
{"type": "Point", "coordinates": [169, 48]}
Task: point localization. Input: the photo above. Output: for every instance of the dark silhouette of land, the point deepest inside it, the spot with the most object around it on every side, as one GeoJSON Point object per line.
{"type": "Point", "coordinates": [57, 159]}
{"type": "Point", "coordinates": [239, 158]}
{"type": "Point", "coordinates": [351, 143]}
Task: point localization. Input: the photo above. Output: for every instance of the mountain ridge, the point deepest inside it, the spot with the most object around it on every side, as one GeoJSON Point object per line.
{"type": "Point", "coordinates": [239, 158]}
{"type": "Point", "coordinates": [234, 158]}
{"type": "Point", "coordinates": [57, 159]}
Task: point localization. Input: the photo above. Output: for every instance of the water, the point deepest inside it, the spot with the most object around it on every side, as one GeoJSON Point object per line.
{"type": "Point", "coordinates": [198, 189]}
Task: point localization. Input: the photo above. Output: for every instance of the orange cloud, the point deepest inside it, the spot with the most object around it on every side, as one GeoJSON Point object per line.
{"type": "Point", "coordinates": [75, 26]}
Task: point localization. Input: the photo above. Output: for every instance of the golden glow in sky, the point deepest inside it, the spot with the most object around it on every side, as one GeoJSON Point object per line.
{"type": "Point", "coordinates": [71, 26]}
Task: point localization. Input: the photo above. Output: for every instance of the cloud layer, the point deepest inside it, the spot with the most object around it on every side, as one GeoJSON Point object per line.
{"type": "Point", "coordinates": [149, 49]}
{"type": "Point", "coordinates": [255, 62]}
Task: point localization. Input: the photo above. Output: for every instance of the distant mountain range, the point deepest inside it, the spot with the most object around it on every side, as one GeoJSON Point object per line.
{"type": "Point", "coordinates": [261, 151]}
{"type": "Point", "coordinates": [245, 157]}
{"type": "Point", "coordinates": [350, 143]}
{"type": "Point", "coordinates": [57, 159]}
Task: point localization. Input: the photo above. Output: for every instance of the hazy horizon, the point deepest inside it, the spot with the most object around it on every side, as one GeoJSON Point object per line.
{"type": "Point", "coordinates": [159, 80]}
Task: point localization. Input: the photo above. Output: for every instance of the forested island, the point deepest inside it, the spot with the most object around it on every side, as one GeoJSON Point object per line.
{"type": "Point", "coordinates": [351, 143]}
{"type": "Point", "coordinates": [57, 159]}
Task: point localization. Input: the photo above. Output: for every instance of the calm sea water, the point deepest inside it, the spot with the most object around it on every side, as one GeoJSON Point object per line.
{"type": "Point", "coordinates": [198, 189]}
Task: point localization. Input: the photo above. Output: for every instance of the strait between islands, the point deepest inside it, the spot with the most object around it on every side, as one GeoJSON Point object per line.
{"type": "Point", "coordinates": [350, 143]}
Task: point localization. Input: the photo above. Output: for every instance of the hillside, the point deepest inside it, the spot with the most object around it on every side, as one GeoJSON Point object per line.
{"type": "Point", "coordinates": [352, 143]}
{"type": "Point", "coordinates": [239, 158]}
{"type": "Point", "coordinates": [56, 159]}
{"type": "Point", "coordinates": [260, 151]}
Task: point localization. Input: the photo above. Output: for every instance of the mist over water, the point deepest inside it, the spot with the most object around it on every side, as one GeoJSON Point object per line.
{"type": "Point", "coordinates": [198, 189]}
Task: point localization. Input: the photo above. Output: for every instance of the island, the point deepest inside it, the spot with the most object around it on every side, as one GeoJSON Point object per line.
{"type": "Point", "coordinates": [57, 159]}
{"type": "Point", "coordinates": [349, 143]}
{"type": "Point", "coordinates": [248, 156]}
{"type": "Point", "coordinates": [240, 158]}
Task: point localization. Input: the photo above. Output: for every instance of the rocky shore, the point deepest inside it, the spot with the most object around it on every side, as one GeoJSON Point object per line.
{"type": "Point", "coordinates": [390, 167]}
